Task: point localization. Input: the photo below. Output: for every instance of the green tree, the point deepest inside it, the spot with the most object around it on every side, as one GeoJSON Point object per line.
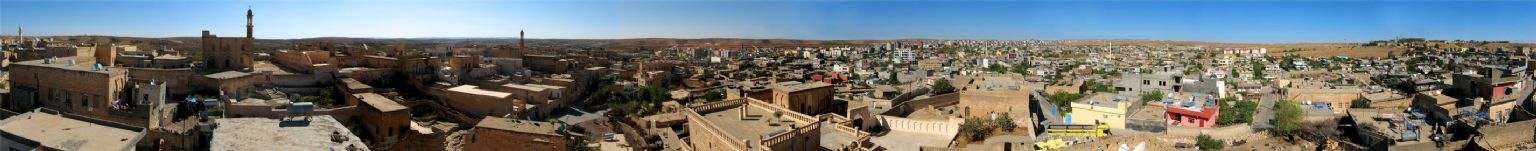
{"type": "Point", "coordinates": [1153, 95]}
{"type": "Point", "coordinates": [641, 102]}
{"type": "Point", "coordinates": [714, 95]}
{"type": "Point", "coordinates": [602, 95]}
{"type": "Point", "coordinates": [1232, 114]}
{"type": "Point", "coordinates": [1233, 74]}
{"type": "Point", "coordinates": [1021, 68]}
{"type": "Point", "coordinates": [974, 128]}
{"type": "Point", "coordinates": [1097, 86]}
{"type": "Point", "coordinates": [995, 68]}
{"type": "Point", "coordinates": [1207, 143]}
{"type": "Point", "coordinates": [1063, 100]}
{"type": "Point", "coordinates": [941, 86]}
{"type": "Point", "coordinates": [1258, 70]}
{"type": "Point", "coordinates": [326, 96]}
{"type": "Point", "coordinates": [579, 143]}
{"type": "Point", "coordinates": [1005, 122]}
{"type": "Point", "coordinates": [1285, 63]}
{"type": "Point", "coordinates": [1287, 117]}
{"type": "Point", "coordinates": [1360, 103]}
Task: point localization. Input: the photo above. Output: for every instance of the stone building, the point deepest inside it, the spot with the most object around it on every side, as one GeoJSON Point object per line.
{"type": "Point", "coordinates": [71, 84]}
{"type": "Point", "coordinates": [304, 61]}
{"type": "Point", "coordinates": [383, 118]}
{"type": "Point", "coordinates": [538, 99]}
{"type": "Point", "coordinates": [229, 53]}
{"type": "Point", "coordinates": [494, 133]}
{"type": "Point", "coordinates": [1330, 99]}
{"type": "Point", "coordinates": [547, 63]}
{"type": "Point", "coordinates": [812, 98]}
{"type": "Point", "coordinates": [473, 100]}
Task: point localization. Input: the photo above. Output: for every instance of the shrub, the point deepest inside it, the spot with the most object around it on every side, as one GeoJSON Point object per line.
{"type": "Point", "coordinates": [1207, 143]}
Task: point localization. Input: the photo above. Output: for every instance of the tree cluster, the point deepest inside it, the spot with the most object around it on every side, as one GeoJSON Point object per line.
{"type": "Point", "coordinates": [978, 128]}
{"type": "Point", "coordinates": [1232, 114]}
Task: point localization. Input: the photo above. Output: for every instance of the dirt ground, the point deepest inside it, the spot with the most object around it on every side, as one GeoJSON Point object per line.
{"type": "Point", "coordinates": [1153, 141]}
{"type": "Point", "coordinates": [1166, 142]}
{"type": "Point", "coordinates": [1265, 142]}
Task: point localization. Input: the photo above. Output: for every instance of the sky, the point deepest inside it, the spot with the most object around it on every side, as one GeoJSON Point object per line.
{"type": "Point", "coordinates": [1217, 21]}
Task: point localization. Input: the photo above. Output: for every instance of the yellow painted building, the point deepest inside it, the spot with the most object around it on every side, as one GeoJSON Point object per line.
{"type": "Point", "coordinates": [1101, 108]}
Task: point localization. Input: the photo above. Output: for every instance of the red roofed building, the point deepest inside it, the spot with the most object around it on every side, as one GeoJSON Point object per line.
{"type": "Point", "coordinates": [1193, 117]}
{"type": "Point", "coordinates": [1191, 111]}
{"type": "Point", "coordinates": [830, 79]}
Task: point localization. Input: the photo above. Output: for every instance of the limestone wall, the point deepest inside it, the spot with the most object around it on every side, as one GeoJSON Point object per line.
{"type": "Point", "coordinates": [177, 81]}
{"type": "Point", "coordinates": [948, 127]}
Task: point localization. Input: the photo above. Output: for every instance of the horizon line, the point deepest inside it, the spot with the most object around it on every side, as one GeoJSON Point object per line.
{"type": "Point", "coordinates": [812, 39]}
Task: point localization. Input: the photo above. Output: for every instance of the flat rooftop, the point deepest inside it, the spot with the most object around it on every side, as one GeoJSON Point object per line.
{"type": "Point", "coordinates": [759, 122]}
{"type": "Point", "coordinates": [227, 75]}
{"type": "Point", "coordinates": [354, 84]}
{"type": "Point", "coordinates": [909, 141]}
{"type": "Point", "coordinates": [477, 91]}
{"type": "Point", "coordinates": [546, 86]}
{"type": "Point", "coordinates": [1150, 113]}
{"type": "Point", "coordinates": [260, 66]}
{"type": "Point", "coordinates": [797, 87]}
{"type": "Point", "coordinates": [53, 130]}
{"type": "Point", "coordinates": [832, 139]}
{"type": "Point", "coordinates": [1107, 100]}
{"type": "Point", "coordinates": [1325, 91]}
{"type": "Point", "coordinates": [524, 87]}
{"type": "Point", "coordinates": [1391, 123]}
{"type": "Point", "coordinates": [273, 134]}
{"type": "Point", "coordinates": [83, 64]}
{"type": "Point", "coordinates": [383, 104]}
{"type": "Point", "coordinates": [516, 125]}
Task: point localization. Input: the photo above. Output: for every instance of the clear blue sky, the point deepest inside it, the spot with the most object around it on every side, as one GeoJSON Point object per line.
{"type": "Point", "coordinates": [1249, 22]}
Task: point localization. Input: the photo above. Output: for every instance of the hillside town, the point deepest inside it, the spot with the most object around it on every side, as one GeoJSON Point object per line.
{"type": "Point", "coordinates": [239, 92]}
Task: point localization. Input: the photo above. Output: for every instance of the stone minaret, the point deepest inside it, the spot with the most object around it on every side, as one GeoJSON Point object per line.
{"type": "Point", "coordinates": [21, 36]}
{"type": "Point", "coordinates": [248, 25]}
{"type": "Point", "coordinates": [520, 38]}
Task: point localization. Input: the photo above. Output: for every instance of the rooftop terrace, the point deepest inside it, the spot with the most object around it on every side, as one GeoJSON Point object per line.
{"type": "Point", "coordinates": [69, 132]}
{"type": "Point", "coordinates": [317, 133]}
{"type": "Point", "coordinates": [516, 125]}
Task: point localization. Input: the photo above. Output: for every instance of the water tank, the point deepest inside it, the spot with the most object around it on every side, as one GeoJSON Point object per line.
{"type": "Point", "coordinates": [301, 107]}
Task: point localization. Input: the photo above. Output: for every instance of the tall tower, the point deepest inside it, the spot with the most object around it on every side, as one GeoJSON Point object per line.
{"type": "Point", "coordinates": [520, 38]}
{"type": "Point", "coordinates": [20, 35]}
{"type": "Point", "coordinates": [248, 25]}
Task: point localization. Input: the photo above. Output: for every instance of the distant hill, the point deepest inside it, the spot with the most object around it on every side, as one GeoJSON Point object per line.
{"type": "Point", "coordinates": [1301, 49]}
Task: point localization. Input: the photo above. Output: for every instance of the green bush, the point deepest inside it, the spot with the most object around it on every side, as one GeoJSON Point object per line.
{"type": "Point", "coordinates": [1153, 95]}
{"type": "Point", "coordinates": [1287, 117]}
{"type": "Point", "coordinates": [1207, 143]}
{"type": "Point", "coordinates": [1005, 122]}
{"type": "Point", "coordinates": [941, 86]}
{"type": "Point", "coordinates": [1360, 103]}
{"type": "Point", "coordinates": [1239, 113]}
{"type": "Point", "coordinates": [1063, 100]}
{"type": "Point", "coordinates": [975, 128]}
